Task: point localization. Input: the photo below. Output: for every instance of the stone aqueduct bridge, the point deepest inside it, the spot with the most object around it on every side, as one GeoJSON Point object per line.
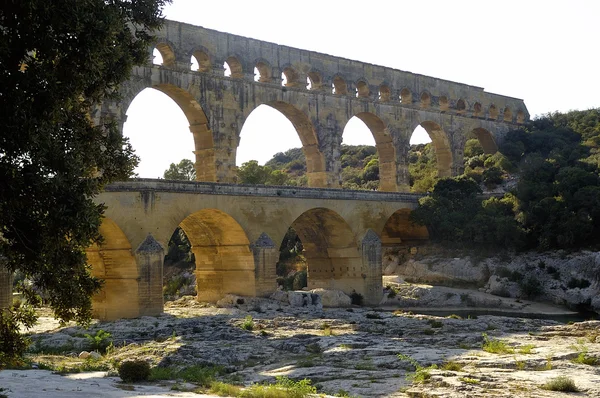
{"type": "Point", "coordinates": [235, 230]}
{"type": "Point", "coordinates": [392, 103]}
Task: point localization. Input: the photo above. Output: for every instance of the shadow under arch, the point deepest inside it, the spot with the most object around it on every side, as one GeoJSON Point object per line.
{"type": "Point", "coordinates": [486, 140]}
{"type": "Point", "coordinates": [441, 144]}
{"type": "Point", "coordinates": [331, 252]}
{"type": "Point", "coordinates": [400, 231]}
{"type": "Point", "coordinates": [316, 170]}
{"type": "Point", "coordinates": [386, 150]}
{"type": "Point", "coordinates": [224, 262]}
{"type": "Point", "coordinates": [204, 149]}
{"type": "Point", "coordinates": [113, 261]}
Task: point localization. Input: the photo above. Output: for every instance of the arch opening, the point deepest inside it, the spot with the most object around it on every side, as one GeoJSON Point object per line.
{"type": "Point", "coordinates": [461, 106]}
{"type": "Point", "coordinates": [486, 140]}
{"type": "Point", "coordinates": [185, 116]}
{"type": "Point", "coordinates": [339, 86]}
{"type": "Point", "coordinates": [262, 72]}
{"type": "Point", "coordinates": [405, 96]}
{"type": "Point", "coordinates": [507, 114]}
{"type": "Point", "coordinates": [200, 62]}
{"type": "Point", "coordinates": [163, 55]}
{"type": "Point", "coordinates": [290, 77]}
{"type": "Point", "coordinates": [520, 117]}
{"type": "Point", "coordinates": [425, 100]}
{"type": "Point", "coordinates": [385, 94]}
{"type": "Point", "coordinates": [399, 231]}
{"type": "Point", "coordinates": [362, 90]}
{"type": "Point", "coordinates": [429, 157]}
{"type": "Point", "coordinates": [224, 262]}
{"type": "Point", "coordinates": [305, 167]}
{"type": "Point", "coordinates": [179, 266]}
{"type": "Point", "coordinates": [493, 112]}
{"type": "Point", "coordinates": [314, 81]}
{"type": "Point", "coordinates": [114, 262]}
{"type": "Point", "coordinates": [330, 251]}
{"type": "Point", "coordinates": [233, 68]}
{"type": "Point", "coordinates": [443, 103]}
{"type": "Point", "coordinates": [477, 109]}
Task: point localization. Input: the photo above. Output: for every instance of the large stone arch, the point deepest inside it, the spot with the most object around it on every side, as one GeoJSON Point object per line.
{"type": "Point", "coordinates": [330, 249]}
{"type": "Point", "coordinates": [204, 148]}
{"type": "Point", "coordinates": [386, 150]}
{"type": "Point", "coordinates": [442, 145]}
{"type": "Point", "coordinates": [400, 231]}
{"type": "Point", "coordinates": [316, 170]}
{"type": "Point", "coordinates": [113, 261]}
{"type": "Point", "coordinates": [224, 261]}
{"type": "Point", "coordinates": [486, 139]}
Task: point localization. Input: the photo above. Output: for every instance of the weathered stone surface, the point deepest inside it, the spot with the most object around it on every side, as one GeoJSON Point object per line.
{"type": "Point", "coordinates": [355, 350]}
{"type": "Point", "coordinates": [333, 298]}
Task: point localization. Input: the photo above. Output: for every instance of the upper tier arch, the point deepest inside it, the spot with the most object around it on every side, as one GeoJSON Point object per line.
{"type": "Point", "coordinates": [394, 101]}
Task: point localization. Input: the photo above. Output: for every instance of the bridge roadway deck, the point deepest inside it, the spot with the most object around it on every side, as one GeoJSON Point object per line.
{"type": "Point", "coordinates": [215, 188]}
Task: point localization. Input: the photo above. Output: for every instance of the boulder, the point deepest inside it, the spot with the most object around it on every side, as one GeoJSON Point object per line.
{"type": "Point", "coordinates": [84, 355]}
{"type": "Point", "coordinates": [333, 298]}
{"type": "Point", "coordinates": [299, 299]}
{"type": "Point", "coordinates": [95, 355]}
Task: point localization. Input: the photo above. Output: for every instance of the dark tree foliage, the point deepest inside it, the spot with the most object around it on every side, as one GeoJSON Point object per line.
{"type": "Point", "coordinates": [184, 170]}
{"type": "Point", "coordinates": [179, 252]}
{"type": "Point", "coordinates": [455, 213]}
{"type": "Point", "coordinates": [57, 60]}
{"type": "Point", "coordinates": [556, 203]}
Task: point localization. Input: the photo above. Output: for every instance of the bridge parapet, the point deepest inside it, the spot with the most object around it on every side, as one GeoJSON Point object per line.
{"type": "Point", "coordinates": [212, 188]}
{"type": "Point", "coordinates": [178, 42]}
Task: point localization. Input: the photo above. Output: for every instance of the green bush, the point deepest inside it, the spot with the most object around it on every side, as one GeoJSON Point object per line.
{"type": "Point", "coordinates": [99, 341]}
{"type": "Point", "coordinates": [561, 383]}
{"type": "Point", "coordinates": [356, 298]}
{"type": "Point", "coordinates": [134, 371]}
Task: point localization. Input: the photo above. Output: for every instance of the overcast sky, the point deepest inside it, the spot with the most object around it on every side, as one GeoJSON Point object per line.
{"type": "Point", "coordinates": [545, 52]}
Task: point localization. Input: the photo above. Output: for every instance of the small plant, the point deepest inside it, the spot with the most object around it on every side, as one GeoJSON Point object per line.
{"type": "Point", "coordinates": [495, 346]}
{"type": "Point", "coordinates": [435, 324]}
{"type": "Point", "coordinates": [560, 383]}
{"type": "Point", "coordinates": [314, 348]}
{"type": "Point", "coordinates": [342, 393]}
{"type": "Point", "coordinates": [248, 323]}
{"type": "Point", "coordinates": [526, 349]}
{"type": "Point", "coordinates": [452, 366]}
{"type": "Point", "coordinates": [454, 316]}
{"type": "Point", "coordinates": [421, 374]}
{"type": "Point", "coordinates": [284, 388]}
{"type": "Point", "coordinates": [530, 287]}
{"type": "Point", "coordinates": [373, 315]}
{"type": "Point", "coordinates": [225, 389]}
{"type": "Point", "coordinates": [575, 283]}
{"type": "Point", "coordinates": [99, 341]}
{"type": "Point", "coordinates": [520, 365]}
{"type": "Point", "coordinates": [469, 380]}
{"type": "Point", "coordinates": [429, 332]}
{"type": "Point", "coordinates": [132, 371]}
{"type": "Point", "coordinates": [584, 359]}
{"type": "Point", "coordinates": [356, 298]}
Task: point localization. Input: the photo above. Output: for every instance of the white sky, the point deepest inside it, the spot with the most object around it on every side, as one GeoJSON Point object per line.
{"type": "Point", "coordinates": [546, 52]}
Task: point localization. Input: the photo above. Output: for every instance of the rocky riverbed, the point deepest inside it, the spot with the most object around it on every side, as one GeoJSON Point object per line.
{"type": "Point", "coordinates": [353, 351]}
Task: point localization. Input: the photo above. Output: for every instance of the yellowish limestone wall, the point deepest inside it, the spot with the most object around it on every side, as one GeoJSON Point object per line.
{"type": "Point", "coordinates": [236, 232]}
{"type": "Point", "coordinates": [6, 280]}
